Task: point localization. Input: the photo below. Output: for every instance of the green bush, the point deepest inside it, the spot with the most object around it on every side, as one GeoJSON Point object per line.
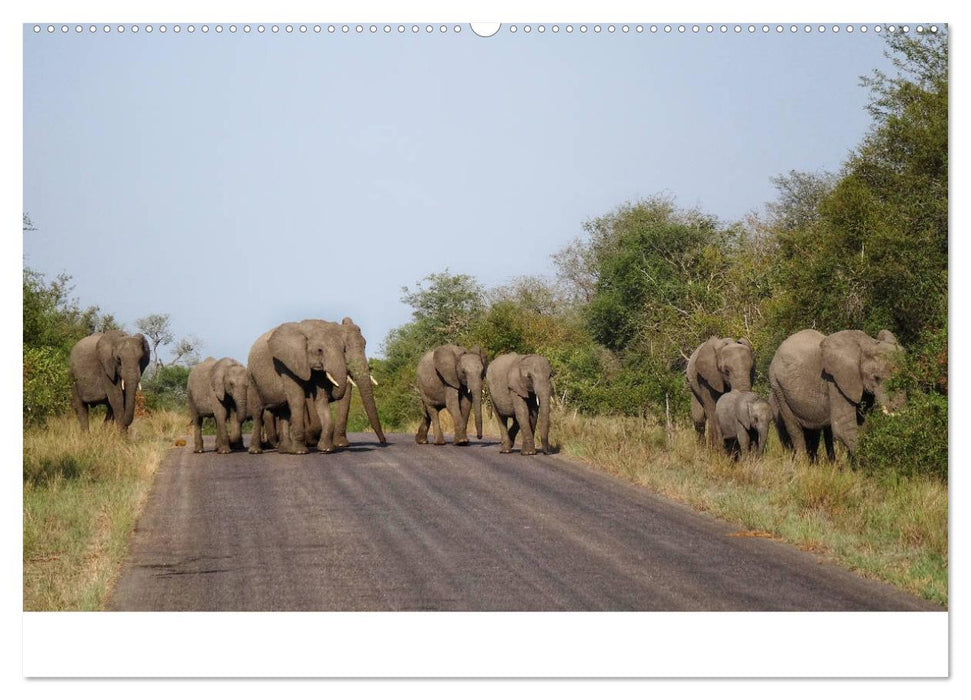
{"type": "Point", "coordinates": [912, 442]}
{"type": "Point", "coordinates": [167, 389]}
{"type": "Point", "coordinates": [47, 388]}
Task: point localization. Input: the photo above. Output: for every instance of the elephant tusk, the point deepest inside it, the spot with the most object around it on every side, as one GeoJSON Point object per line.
{"type": "Point", "coordinates": [351, 380]}
{"type": "Point", "coordinates": [139, 386]}
{"type": "Point", "coordinates": [122, 384]}
{"type": "Point", "coordinates": [331, 378]}
{"type": "Point", "coordinates": [537, 399]}
{"type": "Point", "coordinates": [373, 380]}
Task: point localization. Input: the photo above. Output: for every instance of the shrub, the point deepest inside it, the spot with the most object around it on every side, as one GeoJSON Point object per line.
{"type": "Point", "coordinates": [912, 442]}
{"type": "Point", "coordinates": [47, 388]}
{"type": "Point", "coordinates": [166, 390]}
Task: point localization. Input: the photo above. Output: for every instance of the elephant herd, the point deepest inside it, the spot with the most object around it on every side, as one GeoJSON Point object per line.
{"type": "Point", "coordinates": [819, 386]}
{"type": "Point", "coordinates": [294, 373]}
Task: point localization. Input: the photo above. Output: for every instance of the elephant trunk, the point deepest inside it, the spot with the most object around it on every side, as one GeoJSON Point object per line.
{"type": "Point", "coordinates": [359, 370]}
{"type": "Point", "coordinates": [477, 410]}
{"type": "Point", "coordinates": [763, 433]}
{"type": "Point", "coordinates": [889, 401]}
{"type": "Point", "coordinates": [242, 410]}
{"type": "Point", "coordinates": [130, 377]}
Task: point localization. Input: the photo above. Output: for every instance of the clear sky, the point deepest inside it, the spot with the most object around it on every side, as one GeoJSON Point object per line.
{"type": "Point", "coordinates": [237, 181]}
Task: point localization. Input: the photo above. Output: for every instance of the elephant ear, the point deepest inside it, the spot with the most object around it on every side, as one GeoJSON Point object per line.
{"type": "Point", "coordinates": [707, 365]}
{"type": "Point", "coordinates": [106, 355]}
{"type": "Point", "coordinates": [288, 344]}
{"type": "Point", "coordinates": [841, 360]}
{"type": "Point", "coordinates": [217, 380]}
{"type": "Point", "coordinates": [146, 352]}
{"type": "Point", "coordinates": [744, 413]}
{"type": "Point", "coordinates": [517, 380]}
{"type": "Point", "coordinates": [886, 336]}
{"type": "Point", "coordinates": [446, 366]}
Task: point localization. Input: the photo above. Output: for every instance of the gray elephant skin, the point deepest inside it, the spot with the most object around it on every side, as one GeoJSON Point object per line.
{"type": "Point", "coordinates": [743, 421]}
{"type": "Point", "coordinates": [520, 387]}
{"type": "Point", "coordinates": [823, 385]}
{"type": "Point", "coordinates": [219, 389]}
{"type": "Point", "coordinates": [451, 376]}
{"type": "Point", "coordinates": [717, 366]}
{"type": "Point", "coordinates": [105, 369]}
{"type": "Point", "coordinates": [298, 370]}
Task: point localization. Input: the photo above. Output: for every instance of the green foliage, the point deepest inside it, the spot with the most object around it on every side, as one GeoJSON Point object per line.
{"type": "Point", "coordinates": [912, 442]}
{"type": "Point", "coordinates": [53, 323]}
{"type": "Point", "coordinates": [167, 388]}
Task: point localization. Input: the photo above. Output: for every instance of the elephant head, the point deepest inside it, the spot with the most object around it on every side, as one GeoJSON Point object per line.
{"type": "Point", "coordinates": [308, 347]}
{"type": "Point", "coordinates": [231, 379]}
{"type": "Point", "coordinates": [123, 358]}
{"type": "Point", "coordinates": [858, 364]}
{"type": "Point", "coordinates": [726, 364]}
{"type": "Point", "coordinates": [463, 369]}
{"type": "Point", "coordinates": [532, 374]}
{"type": "Point", "coordinates": [357, 364]}
{"type": "Point", "coordinates": [756, 414]}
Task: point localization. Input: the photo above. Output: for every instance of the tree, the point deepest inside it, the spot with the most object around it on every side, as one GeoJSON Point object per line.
{"type": "Point", "coordinates": [445, 305]}
{"type": "Point", "coordinates": [187, 351]}
{"type": "Point", "coordinates": [156, 328]}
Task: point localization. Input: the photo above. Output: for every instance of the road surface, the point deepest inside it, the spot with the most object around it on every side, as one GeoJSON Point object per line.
{"type": "Point", "coordinates": [409, 527]}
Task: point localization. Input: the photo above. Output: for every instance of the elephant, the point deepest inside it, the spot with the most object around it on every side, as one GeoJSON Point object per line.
{"type": "Point", "coordinates": [298, 369]}
{"type": "Point", "coordinates": [219, 388]}
{"type": "Point", "coordinates": [450, 376]}
{"type": "Point", "coordinates": [824, 385]}
{"type": "Point", "coordinates": [717, 366]}
{"type": "Point", "coordinates": [743, 422]}
{"type": "Point", "coordinates": [520, 387]}
{"type": "Point", "coordinates": [105, 368]}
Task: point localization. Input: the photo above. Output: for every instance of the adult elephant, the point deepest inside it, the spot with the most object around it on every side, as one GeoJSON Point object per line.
{"type": "Point", "coordinates": [520, 387]}
{"type": "Point", "coordinates": [105, 369]}
{"type": "Point", "coordinates": [450, 376]}
{"type": "Point", "coordinates": [822, 385]}
{"type": "Point", "coordinates": [717, 366]}
{"type": "Point", "coordinates": [299, 368]}
{"type": "Point", "coordinates": [219, 389]}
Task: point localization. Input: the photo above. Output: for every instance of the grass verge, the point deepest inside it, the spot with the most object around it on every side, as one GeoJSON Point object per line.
{"type": "Point", "coordinates": [82, 495]}
{"type": "Point", "coordinates": [884, 527]}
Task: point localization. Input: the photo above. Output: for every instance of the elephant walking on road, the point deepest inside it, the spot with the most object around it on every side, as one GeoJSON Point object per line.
{"type": "Point", "coordinates": [299, 368]}
{"type": "Point", "coordinates": [717, 366]}
{"type": "Point", "coordinates": [105, 369]}
{"type": "Point", "coordinates": [520, 387]}
{"type": "Point", "coordinates": [743, 421]}
{"type": "Point", "coordinates": [450, 376]}
{"type": "Point", "coordinates": [219, 389]}
{"type": "Point", "coordinates": [822, 385]}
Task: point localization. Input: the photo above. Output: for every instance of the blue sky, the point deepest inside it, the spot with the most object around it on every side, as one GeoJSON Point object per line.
{"type": "Point", "coordinates": [238, 181]}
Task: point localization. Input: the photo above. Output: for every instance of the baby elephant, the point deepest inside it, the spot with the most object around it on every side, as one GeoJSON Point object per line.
{"type": "Point", "coordinates": [219, 388]}
{"type": "Point", "coordinates": [743, 420]}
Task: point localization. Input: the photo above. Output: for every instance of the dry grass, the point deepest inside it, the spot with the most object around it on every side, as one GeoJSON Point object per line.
{"type": "Point", "coordinates": [82, 494]}
{"type": "Point", "coordinates": [894, 530]}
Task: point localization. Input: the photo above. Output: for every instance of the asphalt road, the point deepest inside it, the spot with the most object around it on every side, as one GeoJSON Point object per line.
{"type": "Point", "coordinates": [409, 527]}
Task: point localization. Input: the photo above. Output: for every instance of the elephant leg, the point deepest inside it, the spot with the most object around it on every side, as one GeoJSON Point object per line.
{"type": "Point", "coordinates": [340, 426]}
{"type": "Point", "coordinates": [513, 432]}
{"type": "Point", "coordinates": [284, 438]}
{"type": "Point", "coordinates": [812, 443]}
{"type": "Point", "coordinates": [522, 417]}
{"type": "Point", "coordinates": [270, 426]}
{"type": "Point", "coordinates": [219, 413]}
{"type": "Point", "coordinates": [312, 420]}
{"type": "Point", "coordinates": [256, 438]}
{"type": "Point", "coordinates": [321, 407]}
{"type": "Point", "coordinates": [297, 403]}
{"type": "Point", "coordinates": [843, 421]}
{"type": "Point", "coordinates": [714, 433]}
{"type": "Point", "coordinates": [828, 441]}
{"type": "Point", "coordinates": [80, 408]}
{"type": "Point", "coordinates": [196, 429]}
{"type": "Point", "coordinates": [698, 418]}
{"type": "Point", "coordinates": [421, 437]}
{"type": "Point", "coordinates": [436, 425]}
{"type": "Point", "coordinates": [731, 448]}
{"type": "Point", "coordinates": [506, 441]}
{"type": "Point", "coordinates": [790, 432]}
{"type": "Point", "coordinates": [455, 410]}
{"type": "Point", "coordinates": [741, 435]}
{"type": "Point", "coordinates": [109, 414]}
